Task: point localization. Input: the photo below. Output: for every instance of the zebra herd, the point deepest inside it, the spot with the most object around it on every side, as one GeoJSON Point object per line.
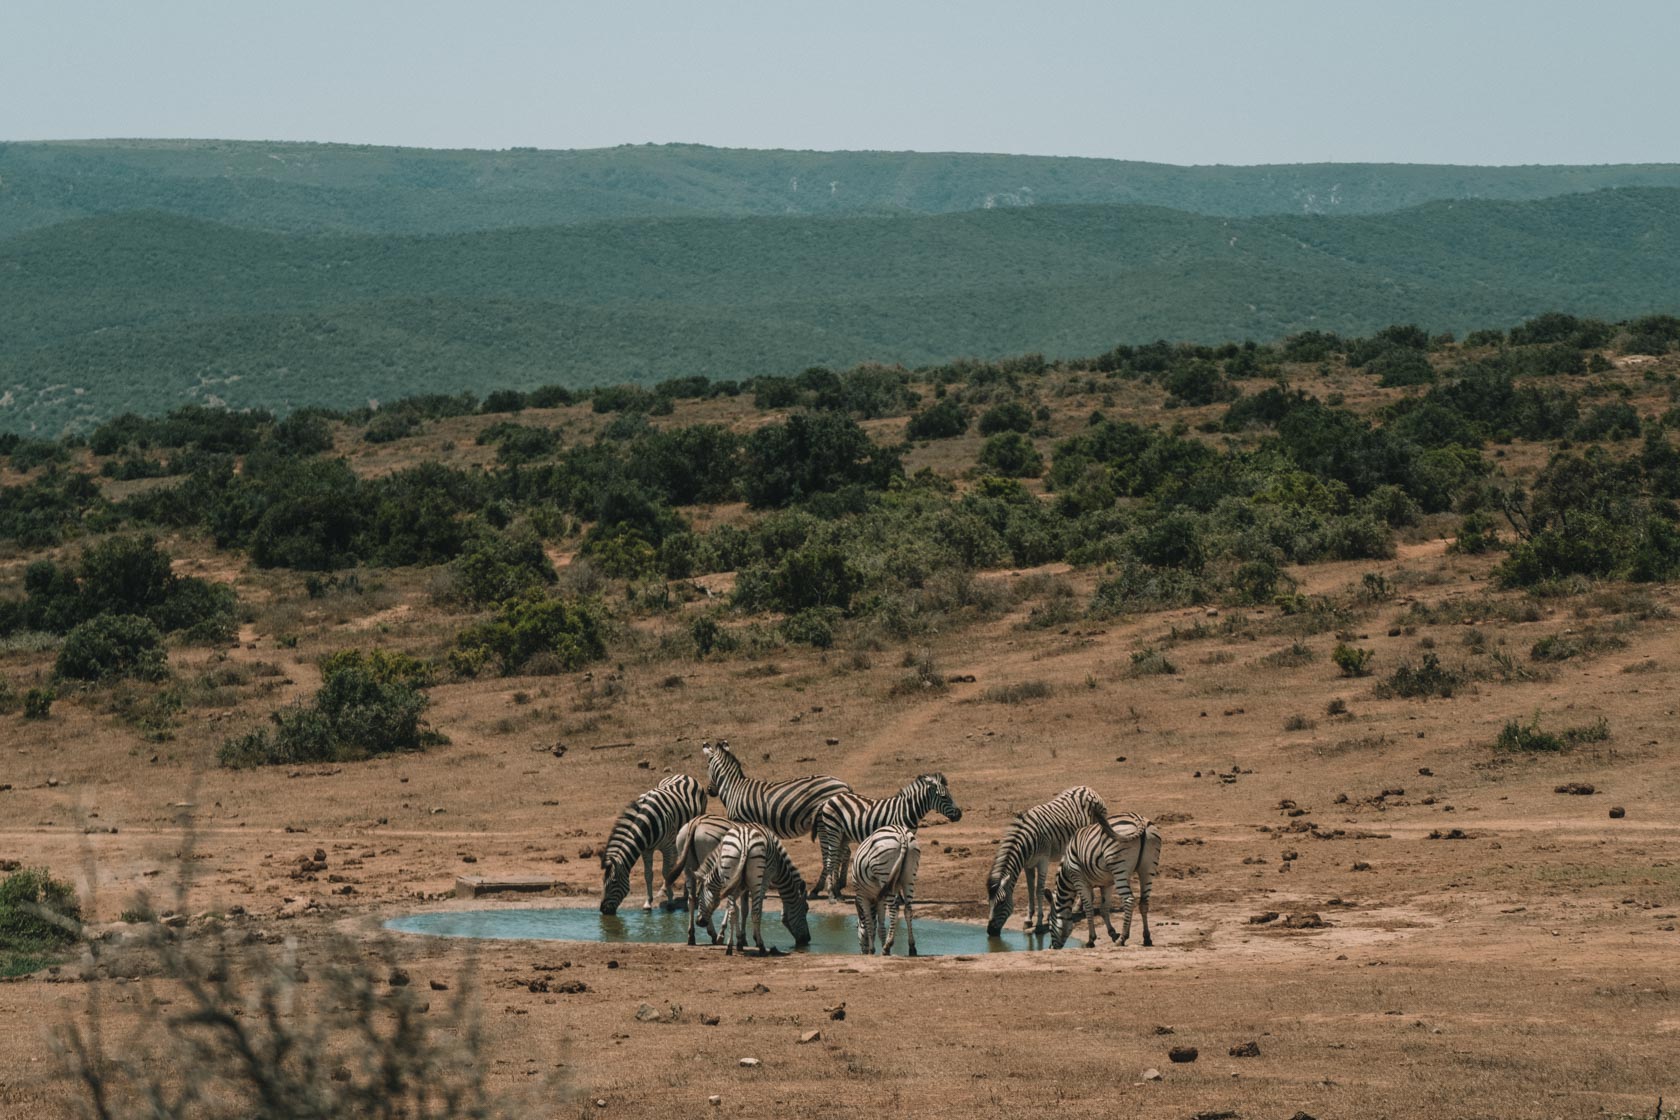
{"type": "Point", "coordinates": [733, 860]}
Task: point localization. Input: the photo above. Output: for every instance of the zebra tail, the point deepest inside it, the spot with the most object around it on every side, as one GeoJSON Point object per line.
{"type": "Point", "coordinates": [895, 877]}
{"type": "Point", "coordinates": [679, 862]}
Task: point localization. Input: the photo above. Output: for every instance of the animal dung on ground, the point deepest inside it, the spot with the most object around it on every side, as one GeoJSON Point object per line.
{"type": "Point", "coordinates": [1250, 1049]}
{"type": "Point", "coordinates": [1577, 788]}
{"type": "Point", "coordinates": [1304, 921]}
{"type": "Point", "coordinates": [1182, 1054]}
{"type": "Point", "coordinates": [1617, 812]}
{"type": "Point", "coordinates": [1262, 919]}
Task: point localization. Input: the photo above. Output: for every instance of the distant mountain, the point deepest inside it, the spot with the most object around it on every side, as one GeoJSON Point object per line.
{"type": "Point", "coordinates": [334, 188]}
{"type": "Point", "coordinates": [145, 311]}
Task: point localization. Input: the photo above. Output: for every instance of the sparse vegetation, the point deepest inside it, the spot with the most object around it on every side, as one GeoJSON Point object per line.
{"type": "Point", "coordinates": [1351, 660]}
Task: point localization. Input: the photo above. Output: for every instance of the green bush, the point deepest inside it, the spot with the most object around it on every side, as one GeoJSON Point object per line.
{"type": "Point", "coordinates": [1012, 455]}
{"type": "Point", "coordinates": [1351, 660]}
{"type": "Point", "coordinates": [364, 707]}
{"type": "Point", "coordinates": [111, 646]}
{"type": "Point", "coordinates": [500, 566]}
{"type": "Point", "coordinates": [384, 665]}
{"type": "Point", "coordinates": [943, 420]}
{"type": "Point", "coordinates": [1009, 416]}
{"type": "Point", "coordinates": [24, 895]}
{"type": "Point", "coordinates": [1515, 736]}
{"type": "Point", "coordinates": [38, 702]}
{"type": "Point", "coordinates": [1427, 678]}
{"type": "Point", "coordinates": [127, 576]}
{"type": "Point", "coordinates": [1150, 663]}
{"type": "Point", "coordinates": [566, 634]}
{"type": "Point", "coordinates": [388, 426]}
{"type": "Point", "coordinates": [813, 626]}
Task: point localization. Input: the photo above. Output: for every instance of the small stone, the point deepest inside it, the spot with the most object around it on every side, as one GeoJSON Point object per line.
{"type": "Point", "coordinates": [1152, 1074]}
{"type": "Point", "coordinates": [836, 1013]}
{"type": "Point", "coordinates": [1182, 1054]}
{"type": "Point", "coordinates": [1159, 1029]}
{"type": "Point", "coordinates": [612, 964]}
{"type": "Point", "coordinates": [749, 1063]}
{"type": "Point", "coordinates": [398, 978]}
{"type": "Point", "coordinates": [644, 764]}
{"type": "Point", "coordinates": [1304, 921]}
{"type": "Point", "coordinates": [600, 1102]}
{"type": "Point", "coordinates": [1250, 1049]}
{"type": "Point", "coordinates": [714, 1100]}
{"type": "Point", "coordinates": [710, 1020]}
{"type": "Point", "coordinates": [586, 852]}
{"type": "Point", "coordinates": [1617, 812]}
{"type": "Point", "coordinates": [1262, 919]}
{"type": "Point", "coordinates": [439, 986]}
{"type": "Point", "coordinates": [469, 859]}
{"type": "Point", "coordinates": [1303, 1116]}
{"type": "Point", "coordinates": [647, 1013]}
{"type": "Point", "coordinates": [810, 1036]}
{"type": "Point", "coordinates": [1361, 865]}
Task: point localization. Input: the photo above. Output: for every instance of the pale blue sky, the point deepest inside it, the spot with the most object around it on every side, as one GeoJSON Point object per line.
{"type": "Point", "coordinates": [1196, 81]}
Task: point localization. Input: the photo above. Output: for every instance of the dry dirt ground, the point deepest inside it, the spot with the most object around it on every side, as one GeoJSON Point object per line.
{"type": "Point", "coordinates": [1524, 970]}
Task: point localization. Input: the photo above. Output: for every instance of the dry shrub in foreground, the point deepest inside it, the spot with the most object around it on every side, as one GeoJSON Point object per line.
{"type": "Point", "coordinates": [232, 1029]}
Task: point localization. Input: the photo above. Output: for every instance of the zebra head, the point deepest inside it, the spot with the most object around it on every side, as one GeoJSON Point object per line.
{"type": "Point", "coordinates": [795, 911]}
{"type": "Point", "coordinates": [720, 763]}
{"type": "Point", "coordinates": [615, 881]}
{"type": "Point", "coordinates": [939, 795]}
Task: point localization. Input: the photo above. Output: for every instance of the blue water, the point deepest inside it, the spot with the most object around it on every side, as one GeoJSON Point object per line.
{"type": "Point", "coordinates": [830, 933]}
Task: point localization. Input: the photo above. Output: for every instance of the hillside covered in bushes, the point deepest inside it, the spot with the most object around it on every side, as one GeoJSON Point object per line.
{"type": "Point", "coordinates": [144, 312]}
{"type": "Point", "coordinates": [554, 531]}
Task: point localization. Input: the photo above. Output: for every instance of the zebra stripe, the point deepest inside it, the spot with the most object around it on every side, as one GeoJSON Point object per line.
{"type": "Point", "coordinates": [696, 842]}
{"type": "Point", "coordinates": [846, 818]}
{"type": "Point", "coordinates": [734, 876]}
{"type": "Point", "coordinates": [1035, 838]}
{"type": "Point", "coordinates": [884, 872]}
{"type": "Point", "coordinates": [1100, 860]}
{"type": "Point", "coordinates": [785, 808]}
{"type": "Point", "coordinates": [648, 824]}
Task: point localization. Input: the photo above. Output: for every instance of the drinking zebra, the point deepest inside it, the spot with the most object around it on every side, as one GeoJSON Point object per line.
{"type": "Point", "coordinates": [1103, 860]}
{"type": "Point", "coordinates": [648, 824]}
{"type": "Point", "coordinates": [846, 818]}
{"type": "Point", "coordinates": [1035, 838]}
{"type": "Point", "coordinates": [734, 877]}
{"type": "Point", "coordinates": [884, 875]}
{"type": "Point", "coordinates": [785, 808]}
{"type": "Point", "coordinates": [696, 842]}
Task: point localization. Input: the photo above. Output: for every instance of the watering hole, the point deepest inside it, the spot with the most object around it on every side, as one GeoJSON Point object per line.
{"type": "Point", "coordinates": [830, 933]}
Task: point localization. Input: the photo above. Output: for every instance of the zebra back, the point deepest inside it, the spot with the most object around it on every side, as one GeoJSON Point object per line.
{"type": "Point", "coordinates": [787, 808]}
{"type": "Point", "coordinates": [649, 822]}
{"type": "Point", "coordinates": [853, 816]}
{"type": "Point", "coordinates": [886, 862]}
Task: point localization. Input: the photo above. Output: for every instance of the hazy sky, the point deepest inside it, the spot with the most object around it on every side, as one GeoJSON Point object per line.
{"type": "Point", "coordinates": [1180, 81]}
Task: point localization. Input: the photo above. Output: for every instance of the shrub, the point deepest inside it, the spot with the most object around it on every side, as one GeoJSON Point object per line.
{"type": "Point", "coordinates": [812, 453]}
{"type": "Point", "coordinates": [384, 665]}
{"type": "Point", "coordinates": [24, 928]}
{"type": "Point", "coordinates": [1401, 366]}
{"type": "Point", "coordinates": [1150, 663]}
{"type": "Point", "coordinates": [568, 631]}
{"type": "Point", "coordinates": [813, 626]}
{"type": "Point", "coordinates": [1018, 693]}
{"type": "Point", "coordinates": [943, 420]}
{"type": "Point", "coordinates": [1427, 678]}
{"type": "Point", "coordinates": [1477, 534]}
{"type": "Point", "coordinates": [500, 566]}
{"type": "Point", "coordinates": [1298, 723]}
{"type": "Point", "coordinates": [1009, 416]}
{"type": "Point", "coordinates": [1139, 587]}
{"type": "Point", "coordinates": [1296, 655]}
{"type": "Point", "coordinates": [924, 676]}
{"type": "Point", "coordinates": [111, 646]}
{"type": "Point", "coordinates": [303, 433]}
{"type": "Point", "coordinates": [388, 426]}
{"type": "Point", "coordinates": [1351, 660]}
{"type": "Point", "coordinates": [1562, 647]}
{"type": "Point", "coordinates": [38, 702]}
{"type": "Point", "coordinates": [354, 715]}
{"type": "Point", "coordinates": [1515, 736]}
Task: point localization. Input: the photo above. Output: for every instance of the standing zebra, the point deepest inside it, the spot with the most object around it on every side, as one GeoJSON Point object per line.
{"type": "Point", "coordinates": [734, 876]}
{"type": "Point", "coordinates": [696, 842]}
{"type": "Point", "coordinates": [785, 808]}
{"type": "Point", "coordinates": [1103, 860]}
{"type": "Point", "coordinates": [1035, 838]}
{"type": "Point", "coordinates": [846, 818]}
{"type": "Point", "coordinates": [884, 874]}
{"type": "Point", "coordinates": [648, 824]}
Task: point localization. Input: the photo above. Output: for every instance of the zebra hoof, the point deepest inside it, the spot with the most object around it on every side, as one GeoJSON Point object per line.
{"type": "Point", "coordinates": [1091, 944]}
{"type": "Point", "coordinates": [647, 907]}
{"type": "Point", "coordinates": [691, 939]}
{"type": "Point", "coordinates": [912, 951]}
{"type": "Point", "coordinates": [1147, 943]}
{"type": "Point", "coordinates": [1116, 937]}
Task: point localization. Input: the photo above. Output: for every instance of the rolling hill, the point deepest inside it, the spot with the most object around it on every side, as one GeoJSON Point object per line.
{"type": "Point", "coordinates": [334, 188]}
{"type": "Point", "coordinates": [147, 310]}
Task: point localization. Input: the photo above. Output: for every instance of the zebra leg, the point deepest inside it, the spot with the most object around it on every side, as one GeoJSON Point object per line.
{"type": "Point", "coordinates": [830, 854]}
{"type": "Point", "coordinates": [729, 927]}
{"type": "Point", "coordinates": [1107, 901]}
{"type": "Point", "coordinates": [866, 925]}
{"type": "Point", "coordinates": [667, 853]}
{"type": "Point", "coordinates": [1125, 885]}
{"type": "Point", "coordinates": [688, 902]}
{"type": "Point", "coordinates": [1143, 909]}
{"type": "Point", "coordinates": [1039, 923]}
{"type": "Point", "coordinates": [909, 927]}
{"type": "Point", "coordinates": [1090, 915]}
{"type": "Point", "coordinates": [758, 920]}
{"type": "Point", "coordinates": [842, 868]}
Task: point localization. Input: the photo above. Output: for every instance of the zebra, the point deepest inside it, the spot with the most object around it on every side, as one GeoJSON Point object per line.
{"type": "Point", "coordinates": [734, 877]}
{"type": "Point", "coordinates": [884, 874]}
{"type": "Point", "coordinates": [647, 824]}
{"type": "Point", "coordinates": [1035, 838]}
{"type": "Point", "coordinates": [696, 842]}
{"type": "Point", "coordinates": [847, 818]}
{"type": "Point", "coordinates": [1093, 859]}
{"type": "Point", "coordinates": [785, 808]}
